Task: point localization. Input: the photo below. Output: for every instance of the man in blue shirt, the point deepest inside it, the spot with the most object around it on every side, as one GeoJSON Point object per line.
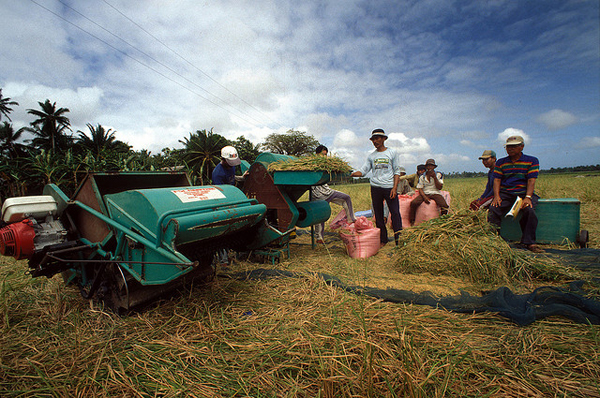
{"type": "Point", "coordinates": [515, 176]}
{"type": "Point", "coordinates": [488, 158]}
{"type": "Point", "coordinates": [224, 174]}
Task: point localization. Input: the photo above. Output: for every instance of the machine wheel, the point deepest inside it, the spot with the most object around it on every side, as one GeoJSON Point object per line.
{"type": "Point", "coordinates": [583, 238]}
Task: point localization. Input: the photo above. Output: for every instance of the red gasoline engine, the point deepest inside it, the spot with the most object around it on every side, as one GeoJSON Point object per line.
{"type": "Point", "coordinates": [16, 240]}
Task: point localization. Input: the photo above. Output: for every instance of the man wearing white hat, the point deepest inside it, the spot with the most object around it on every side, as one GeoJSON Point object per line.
{"type": "Point", "coordinates": [384, 164]}
{"type": "Point", "coordinates": [224, 174]}
{"type": "Point", "coordinates": [515, 176]}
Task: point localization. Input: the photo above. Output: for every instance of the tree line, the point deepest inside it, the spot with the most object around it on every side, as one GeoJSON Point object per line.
{"type": "Point", "coordinates": [55, 154]}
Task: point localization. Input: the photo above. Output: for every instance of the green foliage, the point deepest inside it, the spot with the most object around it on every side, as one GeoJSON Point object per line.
{"type": "Point", "coordinates": [5, 104]}
{"type": "Point", "coordinates": [50, 128]}
{"type": "Point", "coordinates": [203, 153]}
{"type": "Point", "coordinates": [101, 143]}
{"type": "Point", "coordinates": [294, 143]}
{"type": "Point", "coordinates": [246, 150]}
{"type": "Point", "coordinates": [9, 146]}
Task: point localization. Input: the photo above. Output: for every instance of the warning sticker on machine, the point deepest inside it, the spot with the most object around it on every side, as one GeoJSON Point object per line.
{"type": "Point", "coordinates": [197, 194]}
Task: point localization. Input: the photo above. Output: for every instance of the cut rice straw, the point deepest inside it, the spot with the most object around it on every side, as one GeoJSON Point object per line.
{"type": "Point", "coordinates": [330, 164]}
{"type": "Point", "coordinates": [466, 245]}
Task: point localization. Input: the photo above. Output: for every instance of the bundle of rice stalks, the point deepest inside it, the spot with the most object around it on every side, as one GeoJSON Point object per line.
{"type": "Point", "coordinates": [465, 245]}
{"type": "Point", "coordinates": [331, 164]}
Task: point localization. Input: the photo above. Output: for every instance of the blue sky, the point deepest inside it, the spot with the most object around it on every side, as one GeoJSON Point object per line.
{"type": "Point", "coordinates": [445, 79]}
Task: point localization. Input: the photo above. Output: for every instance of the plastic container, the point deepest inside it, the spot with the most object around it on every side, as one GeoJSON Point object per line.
{"type": "Point", "coordinates": [37, 207]}
{"type": "Point", "coordinates": [558, 220]}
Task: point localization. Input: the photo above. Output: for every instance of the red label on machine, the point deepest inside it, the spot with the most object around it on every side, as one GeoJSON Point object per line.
{"type": "Point", "coordinates": [197, 194]}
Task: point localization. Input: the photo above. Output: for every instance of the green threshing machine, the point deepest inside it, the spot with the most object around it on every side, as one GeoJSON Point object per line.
{"type": "Point", "coordinates": [126, 238]}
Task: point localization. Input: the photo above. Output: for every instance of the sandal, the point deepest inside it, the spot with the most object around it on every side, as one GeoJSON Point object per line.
{"type": "Point", "coordinates": [535, 248]}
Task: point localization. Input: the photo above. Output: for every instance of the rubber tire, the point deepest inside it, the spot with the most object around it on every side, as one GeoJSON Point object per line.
{"type": "Point", "coordinates": [583, 238]}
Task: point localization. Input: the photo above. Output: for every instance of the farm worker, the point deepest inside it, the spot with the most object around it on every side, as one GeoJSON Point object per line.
{"type": "Point", "coordinates": [224, 174]}
{"type": "Point", "coordinates": [404, 187]}
{"type": "Point", "coordinates": [323, 192]}
{"type": "Point", "coordinates": [428, 188]}
{"type": "Point", "coordinates": [488, 158]}
{"type": "Point", "coordinates": [384, 164]}
{"type": "Point", "coordinates": [515, 176]}
{"type": "Point", "coordinates": [413, 179]}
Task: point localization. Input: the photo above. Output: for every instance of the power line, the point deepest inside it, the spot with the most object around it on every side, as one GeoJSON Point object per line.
{"type": "Point", "coordinates": [188, 62]}
{"type": "Point", "coordinates": [144, 64]}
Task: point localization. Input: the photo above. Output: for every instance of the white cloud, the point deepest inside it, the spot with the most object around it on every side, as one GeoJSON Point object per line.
{"type": "Point", "coordinates": [84, 103]}
{"type": "Point", "coordinates": [469, 144]}
{"type": "Point", "coordinates": [405, 145]}
{"type": "Point", "coordinates": [588, 142]}
{"type": "Point", "coordinates": [557, 119]}
{"type": "Point", "coordinates": [431, 72]}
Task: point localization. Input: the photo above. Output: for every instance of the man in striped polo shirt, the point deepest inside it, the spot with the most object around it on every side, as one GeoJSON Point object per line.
{"type": "Point", "coordinates": [514, 176]}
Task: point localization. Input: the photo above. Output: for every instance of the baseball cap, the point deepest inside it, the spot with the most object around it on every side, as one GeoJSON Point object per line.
{"type": "Point", "coordinates": [488, 153]}
{"type": "Point", "coordinates": [230, 155]}
{"type": "Point", "coordinates": [514, 140]}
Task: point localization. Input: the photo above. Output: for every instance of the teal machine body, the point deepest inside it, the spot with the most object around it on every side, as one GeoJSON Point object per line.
{"type": "Point", "coordinates": [281, 191]}
{"type": "Point", "coordinates": [125, 238]}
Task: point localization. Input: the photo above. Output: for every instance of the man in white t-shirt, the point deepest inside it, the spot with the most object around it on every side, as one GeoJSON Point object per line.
{"type": "Point", "coordinates": [384, 164]}
{"type": "Point", "coordinates": [429, 188]}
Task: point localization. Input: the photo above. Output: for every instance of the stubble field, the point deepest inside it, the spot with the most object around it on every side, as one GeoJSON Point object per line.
{"type": "Point", "coordinates": [299, 336]}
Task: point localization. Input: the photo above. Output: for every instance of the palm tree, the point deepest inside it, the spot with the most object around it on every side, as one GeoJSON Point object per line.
{"type": "Point", "coordinates": [50, 127]}
{"type": "Point", "coordinates": [203, 152]}
{"type": "Point", "coordinates": [101, 141]}
{"type": "Point", "coordinates": [8, 145]}
{"type": "Point", "coordinates": [4, 106]}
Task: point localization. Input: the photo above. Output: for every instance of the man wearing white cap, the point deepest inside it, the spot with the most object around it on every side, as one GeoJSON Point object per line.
{"type": "Point", "coordinates": [515, 176]}
{"type": "Point", "coordinates": [224, 174]}
{"type": "Point", "coordinates": [488, 158]}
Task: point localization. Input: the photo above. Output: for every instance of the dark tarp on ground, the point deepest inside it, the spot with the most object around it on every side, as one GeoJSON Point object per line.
{"type": "Point", "coordinates": [569, 302]}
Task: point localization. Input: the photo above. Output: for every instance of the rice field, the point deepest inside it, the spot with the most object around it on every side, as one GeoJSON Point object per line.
{"type": "Point", "coordinates": [300, 337]}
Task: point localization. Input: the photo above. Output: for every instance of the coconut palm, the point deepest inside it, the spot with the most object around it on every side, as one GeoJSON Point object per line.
{"type": "Point", "coordinates": [50, 127]}
{"type": "Point", "coordinates": [203, 152]}
{"type": "Point", "coordinates": [5, 109]}
{"type": "Point", "coordinates": [8, 141]}
{"type": "Point", "coordinates": [100, 142]}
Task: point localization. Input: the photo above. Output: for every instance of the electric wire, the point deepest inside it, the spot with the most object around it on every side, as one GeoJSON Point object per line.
{"type": "Point", "coordinates": [144, 64]}
{"type": "Point", "coordinates": [188, 62]}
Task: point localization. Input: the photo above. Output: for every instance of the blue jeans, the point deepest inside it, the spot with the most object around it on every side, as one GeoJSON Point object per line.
{"type": "Point", "coordinates": [378, 195]}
